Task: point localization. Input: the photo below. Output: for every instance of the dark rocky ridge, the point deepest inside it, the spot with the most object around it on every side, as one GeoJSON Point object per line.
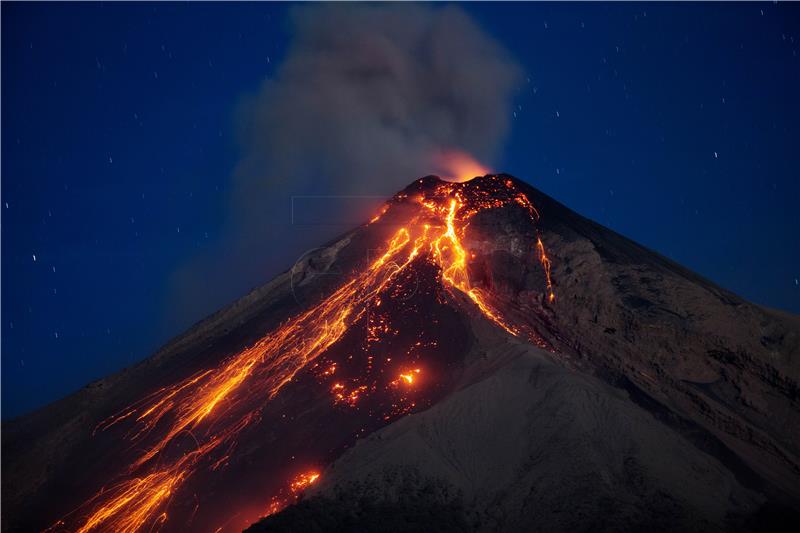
{"type": "Point", "coordinates": [709, 380]}
{"type": "Point", "coordinates": [691, 359]}
{"type": "Point", "coordinates": [716, 361]}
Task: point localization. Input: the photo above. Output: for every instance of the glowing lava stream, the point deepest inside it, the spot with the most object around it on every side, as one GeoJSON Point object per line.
{"type": "Point", "coordinates": [213, 406]}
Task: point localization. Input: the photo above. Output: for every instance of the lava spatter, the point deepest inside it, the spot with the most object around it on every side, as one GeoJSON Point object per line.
{"type": "Point", "coordinates": [216, 405]}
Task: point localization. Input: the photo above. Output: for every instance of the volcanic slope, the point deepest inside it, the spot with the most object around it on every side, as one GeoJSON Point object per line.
{"type": "Point", "coordinates": [500, 362]}
{"type": "Point", "coordinates": [663, 402]}
{"type": "Point", "coordinates": [356, 335]}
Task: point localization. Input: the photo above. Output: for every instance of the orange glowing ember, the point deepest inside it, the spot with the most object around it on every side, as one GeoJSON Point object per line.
{"type": "Point", "coordinates": [295, 489]}
{"type": "Point", "coordinates": [216, 405]}
{"type": "Point", "coordinates": [457, 166]}
{"type": "Point", "coordinates": [546, 265]}
{"type": "Point", "coordinates": [408, 377]}
{"type": "Point", "coordinates": [302, 481]}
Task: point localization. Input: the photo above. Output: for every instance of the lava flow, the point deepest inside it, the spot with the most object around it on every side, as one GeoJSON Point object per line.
{"type": "Point", "coordinates": [215, 406]}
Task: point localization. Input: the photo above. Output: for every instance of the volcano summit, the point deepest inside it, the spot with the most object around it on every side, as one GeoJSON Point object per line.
{"type": "Point", "coordinates": [477, 357]}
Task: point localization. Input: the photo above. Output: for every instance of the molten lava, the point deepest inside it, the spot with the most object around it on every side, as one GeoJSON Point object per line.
{"type": "Point", "coordinates": [296, 487]}
{"type": "Point", "coordinates": [301, 482]}
{"type": "Point", "coordinates": [216, 405]}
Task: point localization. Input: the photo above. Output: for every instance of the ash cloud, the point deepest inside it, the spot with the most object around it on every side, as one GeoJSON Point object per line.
{"type": "Point", "coordinates": [364, 102]}
{"type": "Point", "coordinates": [368, 95]}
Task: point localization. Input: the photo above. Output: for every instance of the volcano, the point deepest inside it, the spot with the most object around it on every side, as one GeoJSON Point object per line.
{"type": "Point", "coordinates": [477, 357]}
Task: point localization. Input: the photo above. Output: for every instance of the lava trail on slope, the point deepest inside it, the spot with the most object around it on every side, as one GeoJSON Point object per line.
{"type": "Point", "coordinates": [250, 433]}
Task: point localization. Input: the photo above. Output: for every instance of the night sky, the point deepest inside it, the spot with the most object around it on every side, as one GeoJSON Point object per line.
{"type": "Point", "coordinates": [676, 125]}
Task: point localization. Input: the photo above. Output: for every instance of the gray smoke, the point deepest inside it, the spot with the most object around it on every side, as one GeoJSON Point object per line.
{"type": "Point", "coordinates": [365, 100]}
{"type": "Point", "coordinates": [369, 95]}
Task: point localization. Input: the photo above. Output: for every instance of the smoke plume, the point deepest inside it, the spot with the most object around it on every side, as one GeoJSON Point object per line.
{"type": "Point", "coordinates": [368, 98]}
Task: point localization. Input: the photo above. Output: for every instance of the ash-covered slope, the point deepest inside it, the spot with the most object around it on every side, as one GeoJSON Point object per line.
{"type": "Point", "coordinates": [233, 419]}
{"type": "Point", "coordinates": [563, 377]}
{"type": "Point", "coordinates": [666, 402]}
{"type": "Point", "coordinates": [533, 446]}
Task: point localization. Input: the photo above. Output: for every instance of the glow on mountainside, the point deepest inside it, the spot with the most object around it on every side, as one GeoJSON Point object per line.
{"type": "Point", "coordinates": [214, 406]}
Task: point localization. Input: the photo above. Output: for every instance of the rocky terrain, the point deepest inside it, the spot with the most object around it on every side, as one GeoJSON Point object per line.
{"type": "Point", "coordinates": [640, 396]}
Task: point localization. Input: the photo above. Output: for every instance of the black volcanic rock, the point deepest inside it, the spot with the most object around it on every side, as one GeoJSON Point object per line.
{"type": "Point", "coordinates": [661, 401]}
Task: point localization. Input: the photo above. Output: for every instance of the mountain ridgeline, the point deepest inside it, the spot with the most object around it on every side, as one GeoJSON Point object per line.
{"type": "Point", "coordinates": [477, 357]}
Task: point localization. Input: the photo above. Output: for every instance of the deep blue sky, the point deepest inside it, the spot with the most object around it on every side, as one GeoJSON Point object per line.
{"type": "Point", "coordinates": [676, 125]}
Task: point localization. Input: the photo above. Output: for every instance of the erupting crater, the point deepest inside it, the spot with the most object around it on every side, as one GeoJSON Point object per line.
{"type": "Point", "coordinates": [443, 307]}
{"type": "Point", "coordinates": [384, 342]}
